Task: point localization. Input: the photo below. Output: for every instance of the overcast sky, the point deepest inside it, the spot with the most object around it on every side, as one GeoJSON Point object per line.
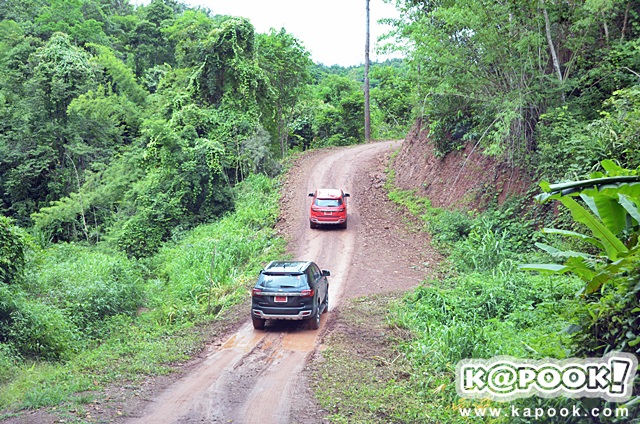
{"type": "Point", "coordinates": [332, 30]}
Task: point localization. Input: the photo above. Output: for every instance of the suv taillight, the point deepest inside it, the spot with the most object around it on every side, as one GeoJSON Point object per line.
{"type": "Point", "coordinates": [307, 293]}
{"type": "Point", "coordinates": [256, 292]}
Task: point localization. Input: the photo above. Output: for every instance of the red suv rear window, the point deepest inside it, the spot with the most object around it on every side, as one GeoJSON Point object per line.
{"type": "Point", "coordinates": [328, 203]}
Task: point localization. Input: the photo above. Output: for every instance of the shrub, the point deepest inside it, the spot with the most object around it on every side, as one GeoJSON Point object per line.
{"type": "Point", "coordinates": [567, 149]}
{"type": "Point", "coordinates": [484, 249]}
{"type": "Point", "coordinates": [86, 285]}
{"type": "Point", "coordinates": [8, 361]}
{"type": "Point", "coordinates": [611, 321]}
{"type": "Point", "coordinates": [12, 249]}
{"type": "Point", "coordinates": [449, 227]}
{"type": "Point", "coordinates": [38, 330]}
{"type": "Point", "coordinates": [616, 130]}
{"type": "Point", "coordinates": [208, 268]}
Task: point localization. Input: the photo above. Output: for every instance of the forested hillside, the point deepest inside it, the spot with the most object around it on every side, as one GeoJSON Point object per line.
{"type": "Point", "coordinates": [141, 146]}
{"type": "Point", "coordinates": [121, 123]}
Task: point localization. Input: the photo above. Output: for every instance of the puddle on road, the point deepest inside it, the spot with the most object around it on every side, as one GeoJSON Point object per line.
{"type": "Point", "coordinates": [245, 339]}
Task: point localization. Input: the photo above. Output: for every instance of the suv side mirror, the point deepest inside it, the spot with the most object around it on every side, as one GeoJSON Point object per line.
{"type": "Point", "coordinates": [310, 194]}
{"type": "Point", "coordinates": [347, 195]}
{"type": "Point", "coordinates": [326, 273]}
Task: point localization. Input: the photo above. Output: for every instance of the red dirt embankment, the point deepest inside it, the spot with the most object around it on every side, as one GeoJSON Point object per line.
{"type": "Point", "coordinates": [460, 179]}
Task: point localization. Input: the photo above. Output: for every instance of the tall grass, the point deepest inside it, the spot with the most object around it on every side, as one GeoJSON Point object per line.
{"type": "Point", "coordinates": [484, 315]}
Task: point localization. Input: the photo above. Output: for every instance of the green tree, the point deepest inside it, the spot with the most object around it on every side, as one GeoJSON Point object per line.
{"type": "Point", "coordinates": [40, 83]}
{"type": "Point", "coordinates": [20, 10]}
{"type": "Point", "coordinates": [392, 102]}
{"type": "Point", "coordinates": [68, 16]}
{"type": "Point", "coordinates": [61, 73]}
{"type": "Point", "coordinates": [120, 78]}
{"type": "Point", "coordinates": [147, 42]}
{"type": "Point", "coordinates": [226, 88]}
{"type": "Point", "coordinates": [339, 119]}
{"type": "Point", "coordinates": [286, 63]}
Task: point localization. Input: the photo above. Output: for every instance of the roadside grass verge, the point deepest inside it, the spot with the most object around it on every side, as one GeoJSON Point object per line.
{"type": "Point", "coordinates": [480, 315]}
{"type": "Point", "coordinates": [393, 360]}
{"type": "Point", "coordinates": [483, 306]}
{"type": "Point", "coordinates": [113, 320]}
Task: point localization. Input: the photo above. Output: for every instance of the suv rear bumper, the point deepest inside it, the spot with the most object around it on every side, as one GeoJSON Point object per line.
{"type": "Point", "coordinates": [327, 221]}
{"type": "Point", "coordinates": [299, 316]}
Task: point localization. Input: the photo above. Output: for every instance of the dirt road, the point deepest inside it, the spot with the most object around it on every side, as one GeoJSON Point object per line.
{"type": "Point", "coordinates": [255, 376]}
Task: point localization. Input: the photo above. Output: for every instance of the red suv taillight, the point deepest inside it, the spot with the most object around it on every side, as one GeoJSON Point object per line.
{"type": "Point", "coordinates": [256, 292]}
{"type": "Point", "coordinates": [307, 293]}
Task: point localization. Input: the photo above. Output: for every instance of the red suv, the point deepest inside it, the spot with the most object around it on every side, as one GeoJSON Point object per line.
{"type": "Point", "coordinates": [329, 206]}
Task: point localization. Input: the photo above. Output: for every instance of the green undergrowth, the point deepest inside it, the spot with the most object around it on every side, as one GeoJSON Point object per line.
{"type": "Point", "coordinates": [397, 364]}
{"type": "Point", "coordinates": [481, 315]}
{"type": "Point", "coordinates": [91, 317]}
{"type": "Point", "coordinates": [477, 315]}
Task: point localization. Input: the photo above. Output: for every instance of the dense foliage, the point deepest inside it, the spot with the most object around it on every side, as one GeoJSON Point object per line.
{"type": "Point", "coordinates": [100, 314]}
{"type": "Point", "coordinates": [551, 86]}
{"type": "Point", "coordinates": [12, 251]}
{"type": "Point", "coordinates": [484, 305]}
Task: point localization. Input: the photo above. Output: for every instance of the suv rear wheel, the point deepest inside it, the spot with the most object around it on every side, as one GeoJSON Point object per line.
{"type": "Point", "coordinates": [315, 321]}
{"type": "Point", "coordinates": [258, 323]}
{"type": "Point", "coordinates": [326, 303]}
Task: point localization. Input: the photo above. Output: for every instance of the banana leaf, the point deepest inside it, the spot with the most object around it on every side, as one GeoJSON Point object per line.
{"type": "Point", "coordinates": [594, 241]}
{"type": "Point", "coordinates": [612, 245]}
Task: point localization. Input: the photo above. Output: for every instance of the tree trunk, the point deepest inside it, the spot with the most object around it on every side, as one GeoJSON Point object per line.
{"type": "Point", "coordinates": [605, 27]}
{"type": "Point", "coordinates": [624, 23]}
{"type": "Point", "coordinates": [282, 135]}
{"type": "Point", "coordinates": [552, 49]}
{"type": "Point", "coordinates": [85, 229]}
{"type": "Point", "coordinates": [367, 109]}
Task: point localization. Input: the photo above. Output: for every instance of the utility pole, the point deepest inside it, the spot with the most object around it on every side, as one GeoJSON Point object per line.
{"type": "Point", "coordinates": [367, 109]}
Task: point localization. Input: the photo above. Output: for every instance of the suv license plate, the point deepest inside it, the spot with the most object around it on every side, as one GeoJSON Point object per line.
{"type": "Point", "coordinates": [280, 299]}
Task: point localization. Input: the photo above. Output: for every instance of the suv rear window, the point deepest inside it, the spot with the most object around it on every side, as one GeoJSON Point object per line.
{"type": "Point", "coordinates": [328, 202]}
{"type": "Point", "coordinates": [277, 281]}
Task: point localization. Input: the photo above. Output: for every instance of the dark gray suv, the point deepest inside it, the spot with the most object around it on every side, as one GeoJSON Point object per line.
{"type": "Point", "coordinates": [290, 290]}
